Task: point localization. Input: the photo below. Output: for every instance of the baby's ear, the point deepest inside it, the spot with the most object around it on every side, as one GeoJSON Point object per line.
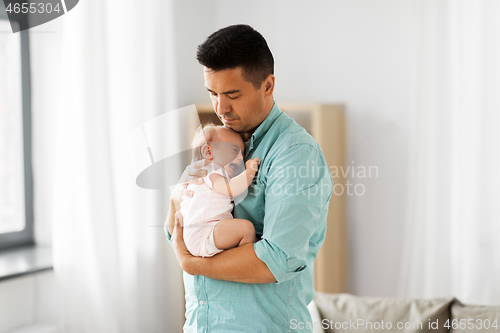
{"type": "Point", "coordinates": [206, 151]}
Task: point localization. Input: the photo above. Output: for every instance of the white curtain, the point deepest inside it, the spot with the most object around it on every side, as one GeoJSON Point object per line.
{"type": "Point", "coordinates": [115, 269]}
{"type": "Point", "coordinates": [452, 240]}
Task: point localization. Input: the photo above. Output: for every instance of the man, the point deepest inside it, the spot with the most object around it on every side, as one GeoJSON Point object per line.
{"type": "Point", "coordinates": [265, 286]}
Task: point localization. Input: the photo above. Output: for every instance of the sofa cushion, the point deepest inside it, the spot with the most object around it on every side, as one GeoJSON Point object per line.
{"type": "Point", "coordinates": [484, 318]}
{"type": "Point", "coordinates": [316, 318]}
{"type": "Point", "coordinates": [349, 313]}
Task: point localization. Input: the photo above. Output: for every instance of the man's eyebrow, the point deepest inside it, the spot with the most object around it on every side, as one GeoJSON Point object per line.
{"type": "Point", "coordinates": [234, 91]}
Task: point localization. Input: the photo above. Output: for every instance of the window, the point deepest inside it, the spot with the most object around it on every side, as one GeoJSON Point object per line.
{"type": "Point", "coordinates": [16, 197]}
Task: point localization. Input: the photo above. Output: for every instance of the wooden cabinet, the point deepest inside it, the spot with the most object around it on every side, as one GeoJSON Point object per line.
{"type": "Point", "coordinates": [326, 123]}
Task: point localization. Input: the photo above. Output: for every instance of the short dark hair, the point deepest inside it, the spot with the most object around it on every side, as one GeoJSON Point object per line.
{"type": "Point", "coordinates": [238, 46]}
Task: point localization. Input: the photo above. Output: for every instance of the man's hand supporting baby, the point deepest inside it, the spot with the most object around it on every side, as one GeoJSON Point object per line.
{"type": "Point", "coordinates": [239, 264]}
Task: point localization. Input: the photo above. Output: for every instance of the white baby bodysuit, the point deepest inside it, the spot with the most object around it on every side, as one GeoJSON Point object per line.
{"type": "Point", "coordinates": [202, 212]}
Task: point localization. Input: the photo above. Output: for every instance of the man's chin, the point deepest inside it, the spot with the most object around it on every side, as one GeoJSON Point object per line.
{"type": "Point", "coordinates": [233, 127]}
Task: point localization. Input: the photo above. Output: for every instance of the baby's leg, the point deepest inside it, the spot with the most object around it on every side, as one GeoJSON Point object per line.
{"type": "Point", "coordinates": [229, 233]}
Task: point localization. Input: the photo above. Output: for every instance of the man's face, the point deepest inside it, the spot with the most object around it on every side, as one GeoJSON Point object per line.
{"type": "Point", "coordinates": [237, 103]}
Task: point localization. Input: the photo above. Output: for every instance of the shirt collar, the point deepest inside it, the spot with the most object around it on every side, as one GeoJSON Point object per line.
{"type": "Point", "coordinates": [264, 126]}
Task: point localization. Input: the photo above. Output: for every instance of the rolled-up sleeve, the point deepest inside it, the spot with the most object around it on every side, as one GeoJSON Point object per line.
{"type": "Point", "coordinates": [298, 188]}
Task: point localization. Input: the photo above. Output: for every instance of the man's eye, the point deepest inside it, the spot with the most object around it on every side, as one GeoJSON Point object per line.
{"type": "Point", "coordinates": [213, 94]}
{"type": "Point", "coordinates": [232, 97]}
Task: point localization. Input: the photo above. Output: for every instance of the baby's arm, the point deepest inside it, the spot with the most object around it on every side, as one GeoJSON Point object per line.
{"type": "Point", "coordinates": [237, 185]}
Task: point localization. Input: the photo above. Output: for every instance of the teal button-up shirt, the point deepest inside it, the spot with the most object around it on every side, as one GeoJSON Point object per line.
{"type": "Point", "coordinates": [288, 204]}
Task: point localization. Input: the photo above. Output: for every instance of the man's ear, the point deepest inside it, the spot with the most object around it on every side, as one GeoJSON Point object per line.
{"type": "Point", "coordinates": [206, 151]}
{"type": "Point", "coordinates": [269, 84]}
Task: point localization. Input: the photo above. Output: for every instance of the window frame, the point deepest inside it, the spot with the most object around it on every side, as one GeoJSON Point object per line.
{"type": "Point", "coordinates": [25, 236]}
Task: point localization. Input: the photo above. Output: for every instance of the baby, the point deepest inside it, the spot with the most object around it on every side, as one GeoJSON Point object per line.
{"type": "Point", "coordinates": [209, 227]}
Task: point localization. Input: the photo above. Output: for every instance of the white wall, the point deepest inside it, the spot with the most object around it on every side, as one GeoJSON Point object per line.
{"type": "Point", "coordinates": [361, 53]}
{"type": "Point", "coordinates": [194, 20]}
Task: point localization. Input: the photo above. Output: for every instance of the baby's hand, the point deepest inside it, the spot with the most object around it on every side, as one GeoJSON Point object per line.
{"type": "Point", "coordinates": [252, 164]}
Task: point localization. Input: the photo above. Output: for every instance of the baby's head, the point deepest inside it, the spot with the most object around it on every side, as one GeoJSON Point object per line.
{"type": "Point", "coordinates": [221, 145]}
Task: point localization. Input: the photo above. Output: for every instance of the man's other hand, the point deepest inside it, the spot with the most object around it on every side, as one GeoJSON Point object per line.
{"type": "Point", "coordinates": [191, 175]}
{"type": "Point", "coordinates": [180, 249]}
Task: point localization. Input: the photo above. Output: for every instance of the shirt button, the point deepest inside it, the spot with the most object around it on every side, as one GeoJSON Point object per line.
{"type": "Point", "coordinates": [201, 302]}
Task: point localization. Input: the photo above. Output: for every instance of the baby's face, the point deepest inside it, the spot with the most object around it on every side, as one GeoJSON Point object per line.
{"type": "Point", "coordinates": [227, 151]}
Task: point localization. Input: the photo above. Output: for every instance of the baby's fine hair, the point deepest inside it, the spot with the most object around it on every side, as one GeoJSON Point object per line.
{"type": "Point", "coordinates": [204, 133]}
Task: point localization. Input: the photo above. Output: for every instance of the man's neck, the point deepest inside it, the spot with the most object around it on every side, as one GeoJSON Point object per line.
{"type": "Point", "coordinates": [247, 135]}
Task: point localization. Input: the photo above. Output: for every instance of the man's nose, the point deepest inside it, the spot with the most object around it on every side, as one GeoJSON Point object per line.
{"type": "Point", "coordinates": [223, 106]}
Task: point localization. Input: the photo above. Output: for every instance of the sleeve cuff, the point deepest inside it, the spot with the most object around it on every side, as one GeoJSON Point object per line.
{"type": "Point", "coordinates": [273, 257]}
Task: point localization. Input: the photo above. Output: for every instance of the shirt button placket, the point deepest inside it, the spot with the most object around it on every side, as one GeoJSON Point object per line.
{"type": "Point", "coordinates": [202, 304]}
